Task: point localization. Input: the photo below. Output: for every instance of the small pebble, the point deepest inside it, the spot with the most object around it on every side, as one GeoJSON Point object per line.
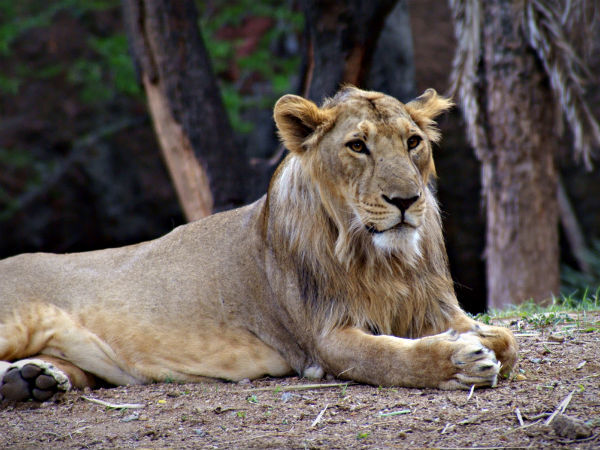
{"type": "Point", "coordinates": [134, 416]}
{"type": "Point", "coordinates": [570, 427]}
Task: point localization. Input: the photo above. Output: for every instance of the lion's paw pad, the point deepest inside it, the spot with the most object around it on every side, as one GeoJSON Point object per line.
{"type": "Point", "coordinates": [32, 379]}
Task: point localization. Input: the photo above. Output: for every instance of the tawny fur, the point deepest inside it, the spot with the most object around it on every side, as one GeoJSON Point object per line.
{"type": "Point", "coordinates": [325, 274]}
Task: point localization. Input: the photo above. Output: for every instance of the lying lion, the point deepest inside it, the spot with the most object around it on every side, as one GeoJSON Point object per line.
{"type": "Point", "coordinates": [340, 269]}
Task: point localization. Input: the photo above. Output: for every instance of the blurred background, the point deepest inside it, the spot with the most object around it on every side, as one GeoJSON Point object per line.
{"type": "Point", "coordinates": [81, 167]}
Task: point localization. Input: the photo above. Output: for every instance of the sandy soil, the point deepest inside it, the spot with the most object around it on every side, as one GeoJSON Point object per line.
{"type": "Point", "coordinates": [558, 364]}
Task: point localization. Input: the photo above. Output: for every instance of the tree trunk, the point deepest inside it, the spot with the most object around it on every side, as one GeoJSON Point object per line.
{"type": "Point", "coordinates": [183, 97]}
{"type": "Point", "coordinates": [342, 37]}
{"type": "Point", "coordinates": [519, 173]}
{"type": "Point", "coordinates": [393, 67]}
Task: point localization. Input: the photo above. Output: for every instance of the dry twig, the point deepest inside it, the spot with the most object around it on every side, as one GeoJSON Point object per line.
{"type": "Point", "coordinates": [447, 427]}
{"type": "Point", "coordinates": [519, 417]}
{"type": "Point", "coordinates": [319, 416]}
{"type": "Point", "coordinates": [395, 413]}
{"type": "Point", "coordinates": [114, 405]}
{"type": "Point", "coordinates": [470, 394]}
{"type": "Point", "coordinates": [300, 387]}
{"type": "Point", "coordinates": [562, 406]}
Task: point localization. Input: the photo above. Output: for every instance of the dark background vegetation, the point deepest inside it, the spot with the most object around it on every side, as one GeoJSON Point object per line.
{"type": "Point", "coordinates": [80, 167]}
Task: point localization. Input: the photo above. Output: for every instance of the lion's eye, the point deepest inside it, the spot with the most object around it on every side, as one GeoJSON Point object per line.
{"type": "Point", "coordinates": [357, 146]}
{"type": "Point", "coordinates": [413, 141]}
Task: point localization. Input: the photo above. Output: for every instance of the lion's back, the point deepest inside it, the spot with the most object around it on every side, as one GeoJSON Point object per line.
{"type": "Point", "coordinates": [172, 276]}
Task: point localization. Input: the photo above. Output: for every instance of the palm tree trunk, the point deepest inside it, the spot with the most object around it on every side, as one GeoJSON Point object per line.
{"type": "Point", "coordinates": [520, 179]}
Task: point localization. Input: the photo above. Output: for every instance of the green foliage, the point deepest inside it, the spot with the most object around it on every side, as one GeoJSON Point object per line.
{"type": "Point", "coordinates": [114, 55]}
{"type": "Point", "coordinates": [30, 170]}
{"type": "Point", "coordinates": [103, 71]}
{"type": "Point", "coordinates": [9, 85]}
{"type": "Point", "coordinates": [18, 17]}
{"type": "Point", "coordinates": [261, 63]}
{"type": "Point", "coordinates": [544, 315]}
{"type": "Point", "coordinates": [112, 63]}
{"type": "Point", "coordinates": [343, 391]}
{"type": "Point", "coordinates": [16, 158]}
{"type": "Point", "coordinates": [362, 435]}
{"type": "Point", "coordinates": [87, 75]}
{"type": "Point", "coordinates": [577, 282]}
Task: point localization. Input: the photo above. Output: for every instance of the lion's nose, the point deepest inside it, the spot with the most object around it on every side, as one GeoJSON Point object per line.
{"type": "Point", "coordinates": [401, 203]}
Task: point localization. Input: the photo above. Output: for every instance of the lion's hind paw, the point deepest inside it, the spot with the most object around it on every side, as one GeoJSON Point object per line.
{"type": "Point", "coordinates": [474, 364]}
{"type": "Point", "coordinates": [32, 379]}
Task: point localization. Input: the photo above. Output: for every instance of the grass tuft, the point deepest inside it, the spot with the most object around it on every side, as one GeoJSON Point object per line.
{"type": "Point", "coordinates": [550, 313]}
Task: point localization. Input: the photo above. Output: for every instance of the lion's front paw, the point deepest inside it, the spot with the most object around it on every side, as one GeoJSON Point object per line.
{"type": "Point", "coordinates": [473, 363]}
{"type": "Point", "coordinates": [32, 379]}
{"type": "Point", "coordinates": [501, 341]}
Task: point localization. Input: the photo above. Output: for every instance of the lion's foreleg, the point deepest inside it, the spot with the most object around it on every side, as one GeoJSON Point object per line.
{"type": "Point", "coordinates": [448, 361]}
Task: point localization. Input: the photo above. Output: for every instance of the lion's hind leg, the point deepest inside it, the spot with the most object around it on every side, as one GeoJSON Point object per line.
{"type": "Point", "coordinates": [40, 378]}
{"type": "Point", "coordinates": [50, 352]}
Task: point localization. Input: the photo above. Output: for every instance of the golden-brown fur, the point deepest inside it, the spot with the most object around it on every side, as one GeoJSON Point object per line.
{"type": "Point", "coordinates": [340, 269]}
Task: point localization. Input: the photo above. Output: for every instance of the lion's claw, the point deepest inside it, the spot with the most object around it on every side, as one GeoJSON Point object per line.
{"type": "Point", "coordinates": [474, 363]}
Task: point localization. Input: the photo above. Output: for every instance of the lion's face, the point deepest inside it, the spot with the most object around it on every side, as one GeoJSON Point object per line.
{"type": "Point", "coordinates": [370, 153]}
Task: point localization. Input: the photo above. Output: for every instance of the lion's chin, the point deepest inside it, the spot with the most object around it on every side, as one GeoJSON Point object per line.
{"type": "Point", "coordinates": [402, 240]}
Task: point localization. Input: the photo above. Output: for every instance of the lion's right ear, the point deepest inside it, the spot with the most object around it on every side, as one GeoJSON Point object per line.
{"type": "Point", "coordinates": [296, 119]}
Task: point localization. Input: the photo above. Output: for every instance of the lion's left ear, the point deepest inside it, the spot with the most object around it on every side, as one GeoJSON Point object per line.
{"type": "Point", "coordinates": [425, 109]}
{"type": "Point", "coordinates": [296, 119]}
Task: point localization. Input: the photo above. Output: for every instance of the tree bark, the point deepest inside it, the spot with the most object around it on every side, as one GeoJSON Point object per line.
{"type": "Point", "coordinates": [341, 42]}
{"type": "Point", "coordinates": [393, 67]}
{"type": "Point", "coordinates": [519, 175]}
{"type": "Point", "coordinates": [194, 133]}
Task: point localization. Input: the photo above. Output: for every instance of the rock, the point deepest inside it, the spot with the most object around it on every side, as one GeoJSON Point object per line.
{"type": "Point", "coordinates": [570, 427]}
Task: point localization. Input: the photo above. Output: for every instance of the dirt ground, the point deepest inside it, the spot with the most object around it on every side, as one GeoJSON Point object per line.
{"type": "Point", "coordinates": [559, 369]}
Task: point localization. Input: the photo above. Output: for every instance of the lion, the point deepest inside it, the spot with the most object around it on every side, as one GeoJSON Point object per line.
{"type": "Point", "coordinates": [340, 269]}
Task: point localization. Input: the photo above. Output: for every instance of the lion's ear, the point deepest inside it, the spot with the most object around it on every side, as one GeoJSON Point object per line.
{"type": "Point", "coordinates": [425, 109]}
{"type": "Point", "coordinates": [296, 119]}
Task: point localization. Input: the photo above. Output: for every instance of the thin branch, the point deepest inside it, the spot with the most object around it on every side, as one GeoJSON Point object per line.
{"type": "Point", "coordinates": [114, 405]}
{"type": "Point", "coordinates": [470, 395]}
{"type": "Point", "coordinates": [319, 417]}
{"type": "Point", "coordinates": [573, 231]}
{"type": "Point", "coordinates": [519, 417]}
{"type": "Point", "coordinates": [300, 387]}
{"type": "Point", "coordinates": [76, 155]}
{"type": "Point", "coordinates": [562, 406]}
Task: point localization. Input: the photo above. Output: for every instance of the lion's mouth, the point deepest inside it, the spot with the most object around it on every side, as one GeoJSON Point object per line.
{"type": "Point", "coordinates": [399, 226]}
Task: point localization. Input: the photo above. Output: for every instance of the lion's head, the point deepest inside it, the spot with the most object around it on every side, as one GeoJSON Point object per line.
{"type": "Point", "coordinates": [370, 158]}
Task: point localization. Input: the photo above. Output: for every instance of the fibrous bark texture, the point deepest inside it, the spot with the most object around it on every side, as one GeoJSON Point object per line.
{"type": "Point", "coordinates": [519, 174]}
{"type": "Point", "coordinates": [342, 37]}
{"type": "Point", "coordinates": [393, 67]}
{"type": "Point", "coordinates": [187, 111]}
